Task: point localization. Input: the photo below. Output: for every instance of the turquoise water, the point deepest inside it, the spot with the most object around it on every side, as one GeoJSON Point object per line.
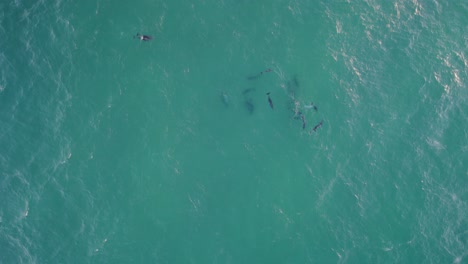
{"type": "Point", "coordinates": [114, 150]}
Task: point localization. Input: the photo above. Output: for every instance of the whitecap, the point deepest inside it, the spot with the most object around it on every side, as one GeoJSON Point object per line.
{"type": "Point", "coordinates": [435, 144]}
{"type": "Point", "coordinates": [339, 27]}
{"type": "Point", "coordinates": [456, 77]}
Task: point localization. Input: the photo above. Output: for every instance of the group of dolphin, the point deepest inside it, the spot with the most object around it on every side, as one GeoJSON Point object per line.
{"type": "Point", "coordinates": [291, 86]}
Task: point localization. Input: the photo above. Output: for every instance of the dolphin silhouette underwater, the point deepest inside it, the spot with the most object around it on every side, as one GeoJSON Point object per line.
{"type": "Point", "coordinates": [225, 98]}
{"type": "Point", "coordinates": [253, 77]}
{"type": "Point", "coordinates": [249, 105]}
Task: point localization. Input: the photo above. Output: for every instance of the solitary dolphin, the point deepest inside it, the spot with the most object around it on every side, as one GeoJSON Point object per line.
{"type": "Point", "coordinates": [143, 37]}
{"type": "Point", "coordinates": [270, 101]}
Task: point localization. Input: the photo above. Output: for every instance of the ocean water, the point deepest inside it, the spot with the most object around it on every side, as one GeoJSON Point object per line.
{"type": "Point", "coordinates": [114, 150]}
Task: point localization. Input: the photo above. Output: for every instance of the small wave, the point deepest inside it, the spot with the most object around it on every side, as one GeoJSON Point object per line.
{"type": "Point", "coordinates": [435, 144]}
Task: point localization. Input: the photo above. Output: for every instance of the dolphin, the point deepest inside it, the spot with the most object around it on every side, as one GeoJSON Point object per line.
{"type": "Point", "coordinates": [269, 100]}
{"type": "Point", "coordinates": [225, 98]}
{"type": "Point", "coordinates": [295, 81]}
{"type": "Point", "coordinates": [317, 126]}
{"type": "Point", "coordinates": [256, 76]}
{"type": "Point", "coordinates": [298, 115]}
{"type": "Point", "coordinates": [248, 90]}
{"type": "Point", "coordinates": [143, 37]}
{"type": "Point", "coordinates": [311, 106]}
{"type": "Point", "coordinates": [250, 106]}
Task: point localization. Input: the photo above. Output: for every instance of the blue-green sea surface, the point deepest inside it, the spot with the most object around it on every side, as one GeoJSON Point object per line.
{"type": "Point", "coordinates": [116, 150]}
